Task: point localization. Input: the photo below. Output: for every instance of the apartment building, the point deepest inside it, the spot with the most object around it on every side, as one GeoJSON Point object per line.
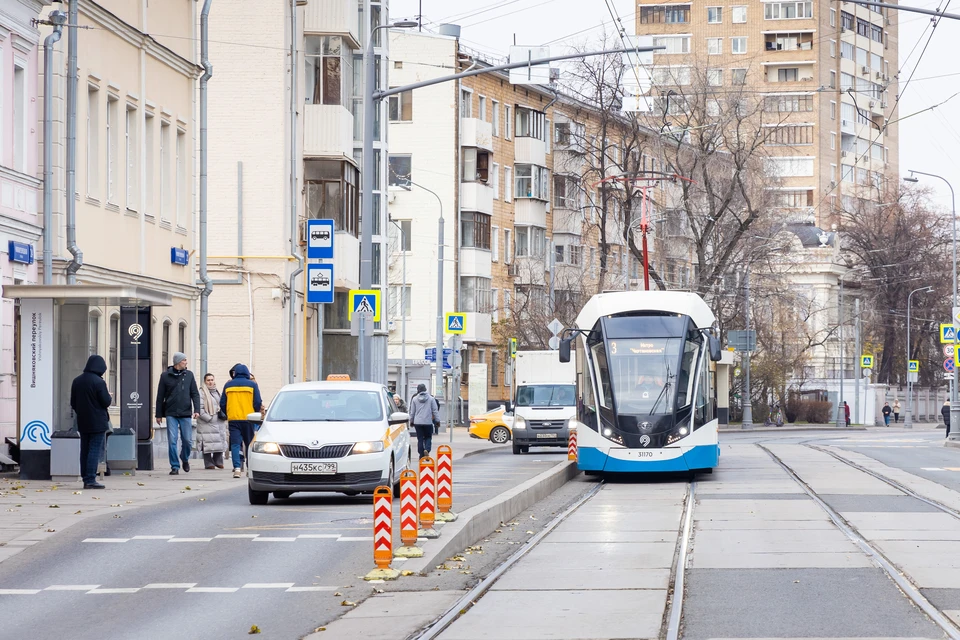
{"type": "Point", "coordinates": [252, 212]}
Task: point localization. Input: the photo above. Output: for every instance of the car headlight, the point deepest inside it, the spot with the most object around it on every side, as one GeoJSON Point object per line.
{"type": "Point", "coordinates": [368, 447]}
{"type": "Point", "coordinates": [265, 447]}
{"type": "Point", "coordinates": [519, 423]}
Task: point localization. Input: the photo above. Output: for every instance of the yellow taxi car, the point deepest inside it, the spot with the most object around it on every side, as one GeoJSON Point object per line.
{"type": "Point", "coordinates": [494, 426]}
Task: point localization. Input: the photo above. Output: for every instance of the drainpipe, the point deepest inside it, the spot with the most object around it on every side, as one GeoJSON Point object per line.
{"type": "Point", "coordinates": [204, 276]}
{"type": "Point", "coordinates": [292, 321]}
{"type": "Point", "coordinates": [72, 247]}
{"type": "Point", "coordinates": [57, 18]}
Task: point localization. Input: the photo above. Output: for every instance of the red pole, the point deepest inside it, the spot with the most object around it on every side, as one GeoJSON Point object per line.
{"type": "Point", "coordinates": [644, 223]}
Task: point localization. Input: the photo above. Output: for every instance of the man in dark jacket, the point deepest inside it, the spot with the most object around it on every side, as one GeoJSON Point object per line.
{"type": "Point", "coordinates": [178, 400]}
{"type": "Point", "coordinates": [240, 398]}
{"type": "Point", "coordinates": [886, 411]}
{"type": "Point", "coordinates": [945, 412]}
{"type": "Point", "coordinates": [89, 400]}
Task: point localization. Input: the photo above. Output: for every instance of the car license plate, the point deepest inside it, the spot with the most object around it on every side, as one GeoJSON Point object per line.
{"type": "Point", "coordinates": [321, 468]}
{"type": "Point", "coordinates": [546, 435]}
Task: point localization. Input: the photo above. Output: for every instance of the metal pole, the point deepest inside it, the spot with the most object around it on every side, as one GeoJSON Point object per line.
{"type": "Point", "coordinates": [841, 413]}
{"type": "Point", "coordinates": [58, 18]}
{"type": "Point", "coordinates": [403, 320]}
{"type": "Point", "coordinates": [292, 319]}
{"type": "Point", "coordinates": [908, 418]}
{"type": "Point", "coordinates": [747, 420]}
{"type": "Point", "coordinates": [361, 334]}
{"type": "Point", "coordinates": [856, 342]}
{"type": "Point", "coordinates": [204, 276]}
{"type": "Point", "coordinates": [71, 179]}
{"type": "Point", "coordinates": [369, 171]}
{"type": "Point", "coordinates": [440, 388]}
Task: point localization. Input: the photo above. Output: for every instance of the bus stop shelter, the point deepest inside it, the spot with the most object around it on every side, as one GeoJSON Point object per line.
{"type": "Point", "coordinates": [55, 343]}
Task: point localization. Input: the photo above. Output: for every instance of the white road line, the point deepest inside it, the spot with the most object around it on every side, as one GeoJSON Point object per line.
{"type": "Point", "coordinates": [213, 589]}
{"type": "Point", "coordinates": [237, 536]}
{"type": "Point", "coordinates": [268, 585]}
{"type": "Point", "coordinates": [170, 585]}
{"type": "Point", "coordinates": [355, 539]}
{"type": "Point", "coordinates": [131, 590]}
{"type": "Point", "coordinates": [152, 537]}
{"type": "Point", "coordinates": [189, 539]}
{"type": "Point", "coordinates": [319, 536]}
{"type": "Point", "coordinates": [19, 592]}
{"type": "Point", "coordinates": [71, 587]}
{"type": "Point", "coordinates": [263, 539]}
{"type": "Point", "coordinates": [22, 543]}
{"type": "Point", "coordinates": [931, 469]}
{"type": "Point", "coordinates": [303, 589]}
{"type": "Point", "coordinates": [107, 540]}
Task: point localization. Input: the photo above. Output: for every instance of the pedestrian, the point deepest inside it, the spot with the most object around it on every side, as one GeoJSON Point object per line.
{"type": "Point", "coordinates": [178, 400]}
{"type": "Point", "coordinates": [89, 400]}
{"type": "Point", "coordinates": [896, 411]}
{"type": "Point", "coordinates": [886, 413]}
{"type": "Point", "coordinates": [846, 412]}
{"type": "Point", "coordinates": [424, 414]}
{"type": "Point", "coordinates": [945, 412]}
{"type": "Point", "coordinates": [212, 425]}
{"type": "Point", "coordinates": [241, 397]}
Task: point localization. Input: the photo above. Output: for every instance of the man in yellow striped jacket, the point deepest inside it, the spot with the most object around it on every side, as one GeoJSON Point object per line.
{"type": "Point", "coordinates": [241, 397]}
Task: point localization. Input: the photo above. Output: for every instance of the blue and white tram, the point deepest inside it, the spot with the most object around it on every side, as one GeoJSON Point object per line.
{"type": "Point", "coordinates": [645, 401]}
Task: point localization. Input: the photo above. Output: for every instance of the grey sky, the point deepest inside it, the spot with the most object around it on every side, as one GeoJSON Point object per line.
{"type": "Point", "coordinates": [928, 142]}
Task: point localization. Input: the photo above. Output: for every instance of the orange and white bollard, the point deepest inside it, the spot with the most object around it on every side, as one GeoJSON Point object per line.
{"type": "Point", "coordinates": [572, 445]}
{"type": "Point", "coordinates": [382, 535]}
{"type": "Point", "coordinates": [428, 498]}
{"type": "Point", "coordinates": [445, 484]}
{"type": "Point", "coordinates": [408, 517]}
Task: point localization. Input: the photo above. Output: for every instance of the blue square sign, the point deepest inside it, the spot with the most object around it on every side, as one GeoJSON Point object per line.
{"type": "Point", "coordinates": [320, 239]}
{"type": "Point", "coordinates": [320, 283]}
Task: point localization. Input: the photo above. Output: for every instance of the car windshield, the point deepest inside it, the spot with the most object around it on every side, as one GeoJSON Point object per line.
{"type": "Point", "coordinates": [546, 395]}
{"type": "Point", "coordinates": [326, 405]}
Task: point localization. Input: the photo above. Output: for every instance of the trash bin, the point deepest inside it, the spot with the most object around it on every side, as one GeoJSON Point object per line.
{"type": "Point", "coordinates": [65, 456]}
{"type": "Point", "coordinates": [122, 450]}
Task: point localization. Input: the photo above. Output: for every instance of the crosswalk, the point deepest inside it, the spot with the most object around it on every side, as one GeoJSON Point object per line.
{"type": "Point", "coordinates": [185, 587]}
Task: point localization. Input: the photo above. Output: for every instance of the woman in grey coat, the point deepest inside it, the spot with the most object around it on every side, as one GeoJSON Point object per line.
{"type": "Point", "coordinates": [211, 429]}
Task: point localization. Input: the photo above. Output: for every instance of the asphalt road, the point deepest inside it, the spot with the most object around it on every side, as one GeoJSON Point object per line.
{"type": "Point", "coordinates": [213, 568]}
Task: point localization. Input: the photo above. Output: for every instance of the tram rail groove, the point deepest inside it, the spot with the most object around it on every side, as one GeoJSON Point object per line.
{"type": "Point", "coordinates": [675, 609]}
{"type": "Point", "coordinates": [905, 585]}
{"type": "Point", "coordinates": [463, 604]}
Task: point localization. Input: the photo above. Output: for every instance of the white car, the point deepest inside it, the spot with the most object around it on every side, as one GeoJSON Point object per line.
{"type": "Point", "coordinates": [344, 437]}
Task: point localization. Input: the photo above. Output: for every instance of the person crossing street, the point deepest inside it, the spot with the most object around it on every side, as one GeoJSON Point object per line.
{"type": "Point", "coordinates": [240, 398]}
{"type": "Point", "coordinates": [423, 415]}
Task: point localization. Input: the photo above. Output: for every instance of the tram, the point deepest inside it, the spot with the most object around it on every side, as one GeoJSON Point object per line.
{"type": "Point", "coordinates": [645, 401]}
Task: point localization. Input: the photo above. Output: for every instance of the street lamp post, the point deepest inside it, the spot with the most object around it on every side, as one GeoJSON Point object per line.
{"type": "Point", "coordinates": [403, 313]}
{"type": "Point", "coordinates": [954, 408]}
{"type": "Point", "coordinates": [841, 412]}
{"type": "Point", "coordinates": [908, 419]}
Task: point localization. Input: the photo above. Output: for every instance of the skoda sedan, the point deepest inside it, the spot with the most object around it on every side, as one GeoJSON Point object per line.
{"type": "Point", "coordinates": [339, 436]}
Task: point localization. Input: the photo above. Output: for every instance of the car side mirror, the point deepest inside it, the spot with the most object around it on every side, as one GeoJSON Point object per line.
{"type": "Point", "coordinates": [255, 417]}
{"type": "Point", "coordinates": [398, 417]}
{"type": "Point", "coordinates": [714, 348]}
{"type": "Point", "coordinates": [565, 349]}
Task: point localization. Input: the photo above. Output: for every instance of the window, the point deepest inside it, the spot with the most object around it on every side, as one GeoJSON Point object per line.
{"type": "Point", "coordinates": [507, 303]}
{"type": "Point", "coordinates": [495, 244]}
{"type": "Point", "coordinates": [739, 14]}
{"type": "Point", "coordinates": [576, 255]}
{"type": "Point", "coordinates": [788, 102]}
{"type": "Point", "coordinates": [507, 248]}
{"type": "Point", "coordinates": [494, 368]}
{"type": "Point", "coordinates": [182, 337]}
{"type": "Point", "coordinates": [833, 79]}
{"type": "Point", "coordinates": [332, 190]}
{"type": "Point", "coordinates": [714, 15]}
{"type": "Point", "coordinates": [833, 141]}
{"type": "Point", "coordinates": [93, 327]}
{"type": "Point", "coordinates": [673, 44]}
{"type": "Point", "coordinates": [114, 361]}
{"type": "Point", "coordinates": [738, 76]}
{"type": "Point", "coordinates": [833, 17]}
{"type": "Point", "coordinates": [790, 166]}
{"type": "Point", "coordinates": [474, 230]}
{"type": "Point", "coordinates": [483, 108]}
{"type": "Point", "coordinates": [713, 107]}
{"type": "Point", "coordinates": [401, 107]}
{"type": "Point", "coordinates": [846, 21]}
{"type": "Point", "coordinates": [529, 123]}
{"type": "Point", "coordinates": [93, 141]}
{"type": "Point", "coordinates": [507, 121]}
{"type": "Point", "coordinates": [833, 48]}
{"type": "Point", "coordinates": [833, 110]}
{"type": "Point", "coordinates": [113, 142]}
{"type": "Point", "coordinates": [149, 164]}
{"type": "Point", "coordinates": [475, 165]}
{"type": "Point", "coordinates": [564, 192]}
{"type": "Point", "coordinates": [496, 181]}
{"type": "Point", "coordinates": [665, 14]}
{"type": "Point", "coordinates": [507, 184]}
{"type": "Point", "coordinates": [863, 28]}
{"type": "Point", "coordinates": [400, 301]}
{"type": "Point", "coordinates": [531, 182]}
{"type": "Point", "coordinates": [401, 167]}
{"type": "Point", "coordinates": [793, 198]}
{"type": "Point", "coordinates": [787, 10]}
{"type": "Point", "coordinates": [475, 295]}
{"type": "Point", "coordinates": [531, 241]}
{"type": "Point", "coordinates": [548, 137]}
{"type": "Point", "coordinates": [165, 171]}
{"type": "Point", "coordinates": [715, 77]}
{"type": "Point", "coordinates": [876, 33]}
{"type": "Point", "coordinates": [738, 45]}
{"type": "Point", "coordinates": [495, 115]}
{"type": "Point", "coordinates": [329, 71]}
{"type": "Point", "coordinates": [679, 76]}
{"type": "Point", "coordinates": [466, 103]}
{"type": "Point", "coordinates": [20, 121]}
{"type": "Point", "coordinates": [790, 134]}
{"type": "Point", "coordinates": [789, 74]}
{"type": "Point", "coordinates": [714, 46]}
{"type": "Point", "coordinates": [181, 177]}
{"type": "Point", "coordinates": [165, 345]}
{"type": "Point", "coordinates": [406, 231]}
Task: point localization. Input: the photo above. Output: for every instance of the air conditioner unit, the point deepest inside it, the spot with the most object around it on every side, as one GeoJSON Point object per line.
{"type": "Point", "coordinates": [872, 104]}
{"type": "Point", "coordinates": [865, 70]}
{"type": "Point", "coordinates": [512, 270]}
{"type": "Point", "coordinates": [303, 232]}
{"type": "Point", "coordinates": [880, 75]}
{"type": "Point", "coordinates": [844, 154]}
{"type": "Point", "coordinates": [391, 196]}
{"type": "Point", "coordinates": [833, 184]}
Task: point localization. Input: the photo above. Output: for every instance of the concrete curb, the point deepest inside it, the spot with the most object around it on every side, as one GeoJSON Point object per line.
{"type": "Point", "coordinates": [790, 429]}
{"type": "Point", "coordinates": [477, 452]}
{"type": "Point", "coordinates": [952, 444]}
{"type": "Point", "coordinates": [478, 521]}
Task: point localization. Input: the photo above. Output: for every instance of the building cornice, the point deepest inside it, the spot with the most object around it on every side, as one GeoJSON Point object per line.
{"type": "Point", "coordinates": [93, 274]}
{"type": "Point", "coordinates": [20, 228]}
{"type": "Point", "coordinates": [20, 178]}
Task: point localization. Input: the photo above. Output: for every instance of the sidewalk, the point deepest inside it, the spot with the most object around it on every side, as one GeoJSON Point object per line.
{"type": "Point", "coordinates": [32, 510]}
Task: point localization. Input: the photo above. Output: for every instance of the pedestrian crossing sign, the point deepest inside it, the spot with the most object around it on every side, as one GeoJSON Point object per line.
{"type": "Point", "coordinates": [866, 362]}
{"type": "Point", "coordinates": [913, 366]}
{"type": "Point", "coordinates": [513, 347]}
{"type": "Point", "coordinates": [364, 301]}
{"type": "Point", "coordinates": [948, 334]}
{"type": "Point", "coordinates": [456, 323]}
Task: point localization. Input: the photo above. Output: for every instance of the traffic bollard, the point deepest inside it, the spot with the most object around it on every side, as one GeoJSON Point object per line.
{"type": "Point", "coordinates": [445, 484]}
{"type": "Point", "coordinates": [382, 535]}
{"type": "Point", "coordinates": [428, 506]}
{"type": "Point", "coordinates": [408, 517]}
{"type": "Point", "coordinates": [572, 445]}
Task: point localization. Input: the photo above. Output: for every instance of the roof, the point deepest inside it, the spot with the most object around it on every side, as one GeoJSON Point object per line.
{"type": "Point", "coordinates": [109, 295]}
{"type": "Point", "coordinates": [317, 385]}
{"type": "Point", "coordinates": [679, 302]}
{"type": "Point", "coordinates": [812, 236]}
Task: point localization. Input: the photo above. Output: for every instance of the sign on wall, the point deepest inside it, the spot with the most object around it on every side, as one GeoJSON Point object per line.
{"type": "Point", "coordinates": [135, 370]}
{"type": "Point", "coordinates": [37, 340]}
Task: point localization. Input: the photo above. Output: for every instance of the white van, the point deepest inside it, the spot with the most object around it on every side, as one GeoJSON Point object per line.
{"type": "Point", "coordinates": [544, 399]}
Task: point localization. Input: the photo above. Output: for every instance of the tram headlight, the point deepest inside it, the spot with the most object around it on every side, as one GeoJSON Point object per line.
{"type": "Point", "coordinates": [608, 432]}
{"type": "Point", "coordinates": [683, 431]}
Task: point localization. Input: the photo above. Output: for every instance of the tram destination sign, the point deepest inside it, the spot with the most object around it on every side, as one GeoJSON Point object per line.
{"type": "Point", "coordinates": [742, 340]}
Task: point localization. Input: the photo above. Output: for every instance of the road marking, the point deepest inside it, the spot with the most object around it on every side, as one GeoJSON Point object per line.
{"type": "Point", "coordinates": [355, 539]}
{"type": "Point", "coordinates": [170, 585]}
{"type": "Point", "coordinates": [123, 590]}
{"type": "Point", "coordinates": [189, 539]}
{"type": "Point", "coordinates": [305, 589]}
{"type": "Point", "coordinates": [19, 592]}
{"type": "Point", "coordinates": [267, 539]}
{"type": "Point", "coordinates": [152, 537]}
{"type": "Point", "coordinates": [213, 589]}
{"type": "Point", "coordinates": [71, 587]}
{"type": "Point", "coordinates": [22, 543]}
{"type": "Point", "coordinates": [931, 469]}
{"type": "Point", "coordinates": [268, 585]}
{"type": "Point", "coordinates": [319, 536]}
{"type": "Point", "coordinates": [237, 536]}
{"type": "Point", "coordinates": [107, 540]}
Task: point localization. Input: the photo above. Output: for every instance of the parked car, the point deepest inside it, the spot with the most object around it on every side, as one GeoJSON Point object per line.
{"type": "Point", "coordinates": [341, 436]}
{"type": "Point", "coordinates": [495, 426]}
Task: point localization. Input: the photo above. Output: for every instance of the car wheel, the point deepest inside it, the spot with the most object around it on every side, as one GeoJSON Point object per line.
{"type": "Point", "coordinates": [517, 449]}
{"type": "Point", "coordinates": [257, 497]}
{"type": "Point", "coordinates": [500, 435]}
{"type": "Point", "coordinates": [282, 495]}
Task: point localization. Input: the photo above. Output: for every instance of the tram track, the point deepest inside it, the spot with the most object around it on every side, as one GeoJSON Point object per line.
{"type": "Point", "coordinates": [899, 578]}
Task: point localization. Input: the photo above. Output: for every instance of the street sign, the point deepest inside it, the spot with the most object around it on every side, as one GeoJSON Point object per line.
{"type": "Point", "coordinates": [948, 350]}
{"type": "Point", "coordinates": [320, 283]}
{"type": "Point", "coordinates": [956, 315]}
{"type": "Point", "coordinates": [913, 366]}
{"type": "Point", "coordinates": [513, 347]}
{"type": "Point", "coordinates": [737, 372]}
{"type": "Point", "coordinates": [742, 340]}
{"type": "Point", "coordinates": [948, 376]}
{"type": "Point", "coordinates": [430, 355]}
{"type": "Point", "coordinates": [555, 327]}
{"type": "Point", "coordinates": [456, 323]}
{"type": "Point", "coordinates": [956, 353]}
{"type": "Point", "coordinates": [948, 334]}
{"type": "Point", "coordinates": [320, 239]}
{"type": "Point", "coordinates": [949, 365]}
{"type": "Point", "coordinates": [867, 373]}
{"type": "Point", "coordinates": [554, 343]}
{"type": "Point", "coordinates": [866, 362]}
{"type": "Point", "coordinates": [367, 300]}
{"type": "Point", "coordinates": [913, 377]}
{"type": "Point", "coordinates": [531, 74]}
{"type": "Point", "coordinates": [366, 319]}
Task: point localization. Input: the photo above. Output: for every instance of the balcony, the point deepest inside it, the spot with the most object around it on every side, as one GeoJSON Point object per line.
{"type": "Point", "coordinates": [530, 212]}
{"type": "Point", "coordinates": [529, 270]}
{"type": "Point", "coordinates": [333, 17]}
{"type": "Point", "coordinates": [327, 131]}
{"type": "Point", "coordinates": [567, 221]}
{"type": "Point", "coordinates": [475, 262]}
{"type": "Point", "coordinates": [476, 196]}
{"type": "Point", "coordinates": [346, 271]}
{"type": "Point", "coordinates": [789, 72]}
{"type": "Point", "coordinates": [476, 133]}
{"type": "Point", "coordinates": [530, 151]}
{"type": "Point", "coordinates": [478, 328]}
{"type": "Point", "coordinates": [788, 41]}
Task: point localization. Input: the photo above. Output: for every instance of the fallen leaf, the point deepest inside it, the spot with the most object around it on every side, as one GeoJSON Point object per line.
{"type": "Point", "coordinates": [54, 506]}
{"type": "Point", "coordinates": [253, 516]}
{"type": "Point", "coordinates": [202, 500]}
{"type": "Point", "coordinates": [529, 533]}
{"type": "Point", "coordinates": [51, 530]}
{"type": "Point", "coordinates": [406, 572]}
{"type": "Point", "coordinates": [140, 484]}
{"type": "Point", "coordinates": [338, 594]}
{"type": "Point", "coordinates": [466, 572]}
{"type": "Point", "coordinates": [76, 513]}
{"type": "Point", "coordinates": [533, 517]}
{"type": "Point", "coordinates": [254, 630]}
{"type": "Point", "coordinates": [117, 515]}
{"type": "Point", "coordinates": [347, 603]}
{"type": "Point", "coordinates": [378, 590]}
{"type": "Point", "coordinates": [116, 505]}
{"type": "Point", "coordinates": [319, 629]}
{"type": "Point", "coordinates": [78, 493]}
{"type": "Point", "coordinates": [188, 488]}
